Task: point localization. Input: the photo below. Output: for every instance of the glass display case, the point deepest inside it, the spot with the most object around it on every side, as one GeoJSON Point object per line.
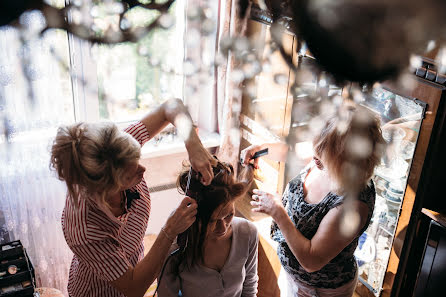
{"type": "Point", "coordinates": [401, 119]}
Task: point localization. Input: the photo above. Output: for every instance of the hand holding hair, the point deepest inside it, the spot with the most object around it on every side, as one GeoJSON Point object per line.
{"type": "Point", "coordinates": [182, 218]}
{"type": "Point", "coordinates": [202, 161]}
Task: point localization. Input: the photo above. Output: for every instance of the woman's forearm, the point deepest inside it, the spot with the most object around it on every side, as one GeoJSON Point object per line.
{"type": "Point", "coordinates": [146, 271]}
{"type": "Point", "coordinates": [136, 281]}
{"type": "Point", "coordinates": [276, 151]}
{"type": "Point", "coordinates": [172, 111]}
{"type": "Point", "coordinates": [177, 114]}
{"type": "Point", "coordinates": [200, 159]}
{"type": "Point", "coordinates": [299, 245]}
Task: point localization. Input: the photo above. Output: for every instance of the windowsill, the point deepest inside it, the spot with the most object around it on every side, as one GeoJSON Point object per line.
{"type": "Point", "coordinates": [172, 145]}
{"type": "Point", "coordinates": [167, 146]}
{"type": "Point", "coordinates": [30, 137]}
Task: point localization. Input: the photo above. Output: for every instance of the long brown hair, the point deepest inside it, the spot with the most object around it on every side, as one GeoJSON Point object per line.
{"type": "Point", "coordinates": [224, 188]}
{"type": "Point", "coordinates": [92, 158]}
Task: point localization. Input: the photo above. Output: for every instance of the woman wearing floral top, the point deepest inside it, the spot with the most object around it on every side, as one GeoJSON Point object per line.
{"type": "Point", "coordinates": [326, 207]}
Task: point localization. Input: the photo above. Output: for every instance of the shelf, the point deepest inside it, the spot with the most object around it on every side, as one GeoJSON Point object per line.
{"type": "Point", "coordinates": [387, 199]}
{"type": "Point", "coordinates": [393, 201]}
{"type": "Point", "coordinates": [388, 178]}
{"type": "Point", "coordinates": [437, 217]}
{"type": "Point", "coordinates": [368, 286]}
{"type": "Point", "coordinates": [385, 230]}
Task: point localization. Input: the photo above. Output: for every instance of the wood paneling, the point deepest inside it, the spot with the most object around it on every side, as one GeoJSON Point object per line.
{"type": "Point", "coordinates": [269, 265]}
{"type": "Point", "coordinates": [271, 110]}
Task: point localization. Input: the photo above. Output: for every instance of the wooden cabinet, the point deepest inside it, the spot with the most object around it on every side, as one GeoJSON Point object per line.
{"type": "Point", "coordinates": [432, 273]}
{"type": "Point", "coordinates": [427, 183]}
{"type": "Point", "coordinates": [431, 95]}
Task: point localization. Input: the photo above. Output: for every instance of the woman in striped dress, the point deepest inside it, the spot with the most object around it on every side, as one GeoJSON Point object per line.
{"type": "Point", "coordinates": [108, 203]}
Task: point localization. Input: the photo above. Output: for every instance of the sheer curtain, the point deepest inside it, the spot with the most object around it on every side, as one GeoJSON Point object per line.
{"type": "Point", "coordinates": [35, 98]}
{"type": "Point", "coordinates": [200, 40]}
{"type": "Point", "coordinates": [229, 98]}
{"type": "Point", "coordinates": [211, 95]}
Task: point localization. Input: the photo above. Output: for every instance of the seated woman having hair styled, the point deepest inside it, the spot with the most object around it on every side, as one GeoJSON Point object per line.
{"type": "Point", "coordinates": [220, 258]}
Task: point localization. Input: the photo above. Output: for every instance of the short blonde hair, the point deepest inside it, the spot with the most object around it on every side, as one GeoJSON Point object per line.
{"type": "Point", "coordinates": [92, 158]}
{"type": "Point", "coordinates": [350, 145]}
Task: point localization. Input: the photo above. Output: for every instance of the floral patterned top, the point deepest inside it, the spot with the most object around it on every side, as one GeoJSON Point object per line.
{"type": "Point", "coordinates": [307, 217]}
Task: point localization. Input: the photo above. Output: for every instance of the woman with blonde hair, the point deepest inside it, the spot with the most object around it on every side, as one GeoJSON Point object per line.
{"type": "Point", "coordinates": [220, 258]}
{"type": "Point", "coordinates": [326, 207]}
{"type": "Point", "coordinates": [108, 203]}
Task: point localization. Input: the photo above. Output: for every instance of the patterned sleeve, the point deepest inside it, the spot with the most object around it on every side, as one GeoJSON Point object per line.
{"type": "Point", "coordinates": [104, 257]}
{"type": "Point", "coordinates": [139, 131]}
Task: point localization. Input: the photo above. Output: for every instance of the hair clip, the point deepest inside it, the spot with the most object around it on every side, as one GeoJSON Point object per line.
{"type": "Point", "coordinates": [189, 175]}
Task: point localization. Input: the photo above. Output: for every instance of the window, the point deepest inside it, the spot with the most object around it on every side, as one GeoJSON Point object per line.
{"type": "Point", "coordinates": [122, 82]}
{"type": "Point", "coordinates": [134, 78]}
{"type": "Point", "coordinates": [58, 79]}
{"type": "Point", "coordinates": [73, 80]}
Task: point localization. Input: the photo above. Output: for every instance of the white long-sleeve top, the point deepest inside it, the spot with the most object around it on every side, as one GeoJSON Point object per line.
{"type": "Point", "coordinates": [237, 278]}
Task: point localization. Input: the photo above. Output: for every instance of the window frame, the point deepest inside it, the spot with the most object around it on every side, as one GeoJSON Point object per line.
{"type": "Point", "coordinates": [83, 70]}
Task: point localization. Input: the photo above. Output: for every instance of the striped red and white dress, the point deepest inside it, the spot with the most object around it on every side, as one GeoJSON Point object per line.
{"type": "Point", "coordinates": [105, 246]}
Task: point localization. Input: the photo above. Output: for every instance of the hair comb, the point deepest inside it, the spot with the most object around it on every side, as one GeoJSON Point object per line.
{"type": "Point", "coordinates": [260, 153]}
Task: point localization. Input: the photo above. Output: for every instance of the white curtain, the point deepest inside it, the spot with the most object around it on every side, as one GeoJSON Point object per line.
{"type": "Point", "coordinates": [229, 98]}
{"type": "Point", "coordinates": [212, 97]}
{"type": "Point", "coordinates": [35, 98]}
{"type": "Point", "coordinates": [200, 40]}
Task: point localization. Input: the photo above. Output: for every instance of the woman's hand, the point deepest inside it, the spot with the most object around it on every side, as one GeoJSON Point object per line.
{"type": "Point", "coordinates": [182, 218]}
{"type": "Point", "coordinates": [277, 151]}
{"type": "Point", "coordinates": [202, 161]}
{"type": "Point", "coordinates": [173, 111]}
{"type": "Point", "coordinates": [248, 153]}
{"type": "Point", "coordinates": [267, 203]}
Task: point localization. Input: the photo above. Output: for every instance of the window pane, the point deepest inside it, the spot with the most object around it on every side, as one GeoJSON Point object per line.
{"type": "Point", "coordinates": [134, 78]}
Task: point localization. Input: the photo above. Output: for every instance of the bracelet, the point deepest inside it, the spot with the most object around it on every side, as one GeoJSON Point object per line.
{"type": "Point", "coordinates": [167, 235]}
